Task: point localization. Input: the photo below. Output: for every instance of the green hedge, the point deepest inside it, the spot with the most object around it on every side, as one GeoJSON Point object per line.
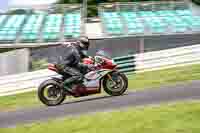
{"type": "Point", "coordinates": [38, 64]}
{"type": "Point", "coordinates": [2, 50]}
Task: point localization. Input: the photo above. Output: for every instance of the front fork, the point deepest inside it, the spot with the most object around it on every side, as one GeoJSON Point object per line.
{"type": "Point", "coordinates": [110, 77]}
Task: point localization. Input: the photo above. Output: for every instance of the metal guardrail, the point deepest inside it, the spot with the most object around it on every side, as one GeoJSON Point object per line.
{"type": "Point", "coordinates": [132, 63]}
{"type": "Point", "coordinates": [159, 59]}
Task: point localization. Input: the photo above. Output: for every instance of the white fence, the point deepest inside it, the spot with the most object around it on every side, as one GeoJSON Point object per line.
{"type": "Point", "coordinates": [167, 58]}
{"type": "Point", "coordinates": [144, 62]}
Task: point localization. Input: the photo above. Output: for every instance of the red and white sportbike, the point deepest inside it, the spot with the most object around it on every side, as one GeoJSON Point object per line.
{"type": "Point", "coordinates": [52, 91]}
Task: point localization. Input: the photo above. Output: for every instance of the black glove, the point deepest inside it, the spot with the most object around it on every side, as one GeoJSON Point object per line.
{"type": "Point", "coordinates": [92, 67]}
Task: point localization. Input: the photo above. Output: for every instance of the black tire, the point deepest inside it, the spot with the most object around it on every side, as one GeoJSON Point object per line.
{"type": "Point", "coordinates": [44, 100]}
{"type": "Point", "coordinates": [119, 92]}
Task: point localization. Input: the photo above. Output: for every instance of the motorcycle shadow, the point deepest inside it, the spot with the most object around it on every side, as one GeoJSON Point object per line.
{"type": "Point", "coordinates": [89, 98]}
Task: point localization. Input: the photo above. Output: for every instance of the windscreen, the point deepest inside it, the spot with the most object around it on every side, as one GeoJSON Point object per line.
{"type": "Point", "coordinates": [104, 53]}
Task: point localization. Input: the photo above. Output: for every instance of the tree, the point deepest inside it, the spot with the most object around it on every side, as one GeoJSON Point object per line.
{"type": "Point", "coordinates": [91, 9]}
{"type": "Point", "coordinates": [17, 11]}
{"type": "Point", "coordinates": [20, 11]}
{"type": "Point", "coordinates": [69, 1]}
{"type": "Point", "coordinates": [196, 1]}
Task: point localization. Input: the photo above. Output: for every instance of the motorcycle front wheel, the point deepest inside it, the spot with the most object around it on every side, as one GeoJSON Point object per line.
{"type": "Point", "coordinates": [51, 93]}
{"type": "Point", "coordinates": [115, 84]}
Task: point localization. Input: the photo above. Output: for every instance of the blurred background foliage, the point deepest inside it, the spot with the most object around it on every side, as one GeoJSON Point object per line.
{"type": "Point", "coordinates": [93, 4]}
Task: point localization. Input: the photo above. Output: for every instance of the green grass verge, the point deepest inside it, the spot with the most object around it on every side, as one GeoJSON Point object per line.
{"type": "Point", "coordinates": [176, 118]}
{"type": "Point", "coordinates": [29, 99]}
{"type": "Point", "coordinates": [164, 77]}
{"type": "Point", "coordinates": [136, 81]}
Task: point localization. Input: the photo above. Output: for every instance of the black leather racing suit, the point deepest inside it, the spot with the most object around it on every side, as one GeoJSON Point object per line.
{"type": "Point", "coordinates": [72, 64]}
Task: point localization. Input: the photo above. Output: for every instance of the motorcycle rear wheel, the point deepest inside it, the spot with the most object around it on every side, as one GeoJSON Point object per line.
{"type": "Point", "coordinates": [118, 89]}
{"type": "Point", "coordinates": [54, 90]}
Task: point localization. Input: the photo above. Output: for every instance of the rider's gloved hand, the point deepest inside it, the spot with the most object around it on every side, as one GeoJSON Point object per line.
{"type": "Point", "coordinates": [97, 66]}
{"type": "Point", "coordinates": [93, 67]}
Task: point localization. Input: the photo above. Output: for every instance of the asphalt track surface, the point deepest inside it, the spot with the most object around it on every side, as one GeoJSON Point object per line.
{"type": "Point", "coordinates": [166, 94]}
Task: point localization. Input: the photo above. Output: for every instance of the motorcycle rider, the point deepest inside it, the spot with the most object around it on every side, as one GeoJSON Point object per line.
{"type": "Point", "coordinates": [71, 62]}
